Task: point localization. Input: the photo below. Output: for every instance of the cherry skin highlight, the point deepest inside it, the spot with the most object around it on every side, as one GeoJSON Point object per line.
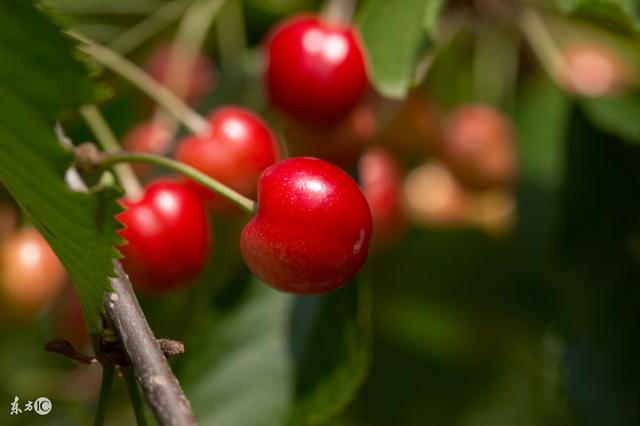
{"type": "Point", "coordinates": [235, 151]}
{"type": "Point", "coordinates": [168, 237]}
{"type": "Point", "coordinates": [312, 228]}
{"type": "Point", "coordinates": [316, 71]}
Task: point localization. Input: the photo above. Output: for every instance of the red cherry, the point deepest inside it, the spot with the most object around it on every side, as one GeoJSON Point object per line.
{"type": "Point", "coordinates": [311, 231]}
{"type": "Point", "coordinates": [235, 151]}
{"type": "Point", "coordinates": [594, 70]}
{"type": "Point", "coordinates": [30, 275]}
{"type": "Point", "coordinates": [168, 237]}
{"type": "Point", "coordinates": [478, 146]}
{"type": "Point", "coordinates": [381, 184]}
{"type": "Point", "coordinates": [315, 70]}
{"type": "Point", "coordinates": [199, 81]}
{"type": "Point", "coordinates": [152, 137]}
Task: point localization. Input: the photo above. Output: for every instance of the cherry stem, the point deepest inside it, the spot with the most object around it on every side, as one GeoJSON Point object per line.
{"type": "Point", "coordinates": [156, 91]}
{"type": "Point", "coordinates": [543, 45]}
{"type": "Point", "coordinates": [108, 374]}
{"type": "Point", "coordinates": [134, 395]}
{"type": "Point", "coordinates": [219, 188]}
{"type": "Point", "coordinates": [109, 143]}
{"type": "Point", "coordinates": [192, 30]}
{"type": "Point", "coordinates": [149, 26]}
{"type": "Point", "coordinates": [339, 11]}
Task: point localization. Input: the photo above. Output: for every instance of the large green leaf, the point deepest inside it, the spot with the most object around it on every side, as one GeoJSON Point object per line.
{"type": "Point", "coordinates": [618, 115]}
{"type": "Point", "coordinates": [38, 80]}
{"type": "Point", "coordinates": [393, 33]}
{"type": "Point", "coordinates": [272, 358]}
{"type": "Point", "coordinates": [621, 13]}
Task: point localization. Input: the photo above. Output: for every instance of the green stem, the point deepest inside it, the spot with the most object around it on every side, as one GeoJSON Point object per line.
{"type": "Point", "coordinates": [109, 143]}
{"type": "Point", "coordinates": [108, 373]}
{"type": "Point", "coordinates": [127, 157]}
{"type": "Point", "coordinates": [148, 27]}
{"type": "Point", "coordinates": [339, 11]}
{"type": "Point", "coordinates": [134, 395]}
{"type": "Point", "coordinates": [156, 91]}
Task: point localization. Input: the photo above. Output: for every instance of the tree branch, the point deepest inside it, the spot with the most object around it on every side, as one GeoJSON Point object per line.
{"type": "Point", "coordinates": [160, 387]}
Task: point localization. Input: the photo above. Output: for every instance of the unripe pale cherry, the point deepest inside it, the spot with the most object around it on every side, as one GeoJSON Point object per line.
{"type": "Point", "coordinates": [237, 149]}
{"type": "Point", "coordinates": [168, 237]}
{"type": "Point", "coordinates": [594, 70]}
{"type": "Point", "coordinates": [381, 183]}
{"type": "Point", "coordinates": [341, 143]}
{"type": "Point", "coordinates": [316, 71]}
{"type": "Point", "coordinates": [478, 146]}
{"type": "Point", "coordinates": [433, 197]}
{"type": "Point", "coordinates": [198, 82]}
{"type": "Point", "coordinates": [312, 228]}
{"type": "Point", "coordinates": [30, 275]}
{"type": "Point", "coordinates": [150, 137]}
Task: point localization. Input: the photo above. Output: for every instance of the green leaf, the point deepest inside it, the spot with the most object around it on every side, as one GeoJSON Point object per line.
{"type": "Point", "coordinates": [621, 13]}
{"type": "Point", "coordinates": [38, 80]}
{"type": "Point", "coordinates": [393, 33]}
{"type": "Point", "coordinates": [541, 122]}
{"type": "Point", "coordinates": [618, 116]}
{"type": "Point", "coordinates": [272, 358]}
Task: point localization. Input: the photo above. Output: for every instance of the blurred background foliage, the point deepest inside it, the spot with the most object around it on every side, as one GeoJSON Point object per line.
{"type": "Point", "coordinates": [533, 321]}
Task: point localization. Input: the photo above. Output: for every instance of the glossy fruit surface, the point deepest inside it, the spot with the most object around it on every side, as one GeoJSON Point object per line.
{"type": "Point", "coordinates": [30, 274]}
{"type": "Point", "coordinates": [381, 184]}
{"type": "Point", "coordinates": [151, 137]}
{"type": "Point", "coordinates": [190, 85]}
{"type": "Point", "coordinates": [237, 149]}
{"type": "Point", "coordinates": [315, 71]}
{"type": "Point", "coordinates": [594, 70]}
{"type": "Point", "coordinates": [478, 146]}
{"type": "Point", "coordinates": [312, 228]}
{"type": "Point", "coordinates": [168, 237]}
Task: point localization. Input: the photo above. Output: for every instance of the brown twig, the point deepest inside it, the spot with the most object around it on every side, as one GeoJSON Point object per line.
{"type": "Point", "coordinates": [160, 387]}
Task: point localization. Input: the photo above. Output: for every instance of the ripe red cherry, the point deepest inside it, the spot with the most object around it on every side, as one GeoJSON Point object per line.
{"type": "Point", "coordinates": [316, 71]}
{"type": "Point", "coordinates": [152, 137]}
{"type": "Point", "coordinates": [381, 184]}
{"type": "Point", "coordinates": [198, 82]}
{"type": "Point", "coordinates": [311, 231]}
{"type": "Point", "coordinates": [235, 151]}
{"type": "Point", "coordinates": [30, 275]}
{"type": "Point", "coordinates": [478, 146]}
{"type": "Point", "coordinates": [168, 237]}
{"type": "Point", "coordinates": [594, 70]}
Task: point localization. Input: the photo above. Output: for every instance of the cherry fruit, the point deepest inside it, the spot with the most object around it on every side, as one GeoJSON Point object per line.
{"type": "Point", "coordinates": [150, 137]}
{"type": "Point", "coordinates": [478, 146]}
{"type": "Point", "coordinates": [316, 71]}
{"type": "Point", "coordinates": [312, 228]}
{"type": "Point", "coordinates": [168, 237]}
{"type": "Point", "coordinates": [381, 184]}
{"type": "Point", "coordinates": [30, 275]}
{"type": "Point", "coordinates": [235, 151]}
{"type": "Point", "coordinates": [341, 143]}
{"type": "Point", "coordinates": [198, 82]}
{"type": "Point", "coordinates": [434, 197]}
{"type": "Point", "coordinates": [594, 70]}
